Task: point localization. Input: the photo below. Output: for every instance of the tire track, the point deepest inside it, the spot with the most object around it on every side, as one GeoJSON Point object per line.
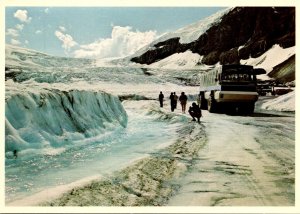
{"type": "Point", "coordinates": [233, 165]}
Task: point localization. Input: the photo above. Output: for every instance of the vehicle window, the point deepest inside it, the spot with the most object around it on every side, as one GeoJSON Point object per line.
{"type": "Point", "coordinates": [237, 77]}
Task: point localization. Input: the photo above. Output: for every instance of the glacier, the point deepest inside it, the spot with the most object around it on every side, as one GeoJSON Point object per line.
{"type": "Point", "coordinates": [69, 124]}
{"type": "Point", "coordinates": [55, 117]}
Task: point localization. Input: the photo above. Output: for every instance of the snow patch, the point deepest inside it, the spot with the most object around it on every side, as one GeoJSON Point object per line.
{"type": "Point", "coordinates": [194, 31]}
{"type": "Point", "coordinates": [184, 60]}
{"type": "Point", "coordinates": [282, 103]}
{"type": "Point", "coordinates": [274, 56]}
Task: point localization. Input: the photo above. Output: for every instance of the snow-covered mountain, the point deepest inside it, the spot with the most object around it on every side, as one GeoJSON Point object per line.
{"type": "Point", "coordinates": [186, 34]}
{"type": "Point", "coordinates": [18, 60]}
{"type": "Point", "coordinates": [236, 35]}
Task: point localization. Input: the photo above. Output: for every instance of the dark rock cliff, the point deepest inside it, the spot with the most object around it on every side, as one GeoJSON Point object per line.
{"type": "Point", "coordinates": [285, 71]}
{"type": "Point", "coordinates": [255, 29]}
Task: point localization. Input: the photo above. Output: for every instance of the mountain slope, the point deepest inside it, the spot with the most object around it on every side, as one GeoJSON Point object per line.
{"type": "Point", "coordinates": [16, 57]}
{"type": "Point", "coordinates": [237, 34]}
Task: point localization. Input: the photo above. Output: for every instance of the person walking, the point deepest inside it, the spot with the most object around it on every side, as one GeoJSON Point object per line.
{"type": "Point", "coordinates": [175, 100]}
{"type": "Point", "coordinates": [183, 100]}
{"type": "Point", "coordinates": [161, 99]}
{"type": "Point", "coordinates": [172, 101]}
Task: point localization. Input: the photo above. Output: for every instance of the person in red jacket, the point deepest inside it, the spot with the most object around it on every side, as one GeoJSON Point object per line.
{"type": "Point", "coordinates": [183, 100]}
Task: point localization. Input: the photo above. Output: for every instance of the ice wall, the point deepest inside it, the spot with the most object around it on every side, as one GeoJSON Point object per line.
{"type": "Point", "coordinates": [52, 119]}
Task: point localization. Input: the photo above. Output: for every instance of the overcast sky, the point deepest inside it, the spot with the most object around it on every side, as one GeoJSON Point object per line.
{"type": "Point", "coordinates": [95, 32]}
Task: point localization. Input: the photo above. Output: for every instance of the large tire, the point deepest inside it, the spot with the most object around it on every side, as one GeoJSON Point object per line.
{"type": "Point", "coordinates": [203, 102]}
{"type": "Point", "coordinates": [247, 108]}
{"type": "Point", "coordinates": [250, 108]}
{"type": "Point", "coordinates": [211, 105]}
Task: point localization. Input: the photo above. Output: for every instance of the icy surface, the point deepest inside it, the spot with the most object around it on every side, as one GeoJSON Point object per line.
{"type": "Point", "coordinates": [78, 161]}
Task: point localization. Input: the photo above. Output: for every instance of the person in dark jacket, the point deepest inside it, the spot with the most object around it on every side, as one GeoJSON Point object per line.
{"type": "Point", "coordinates": [195, 112]}
{"type": "Point", "coordinates": [183, 99]}
{"type": "Point", "coordinates": [172, 101]}
{"type": "Point", "coordinates": [161, 99]}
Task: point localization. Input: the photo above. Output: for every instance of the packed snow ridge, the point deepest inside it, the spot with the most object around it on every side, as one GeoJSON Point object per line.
{"type": "Point", "coordinates": [282, 103]}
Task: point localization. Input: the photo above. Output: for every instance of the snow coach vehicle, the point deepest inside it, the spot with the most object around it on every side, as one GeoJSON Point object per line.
{"type": "Point", "coordinates": [229, 88]}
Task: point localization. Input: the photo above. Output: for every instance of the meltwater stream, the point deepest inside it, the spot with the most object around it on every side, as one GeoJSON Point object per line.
{"type": "Point", "coordinates": [31, 173]}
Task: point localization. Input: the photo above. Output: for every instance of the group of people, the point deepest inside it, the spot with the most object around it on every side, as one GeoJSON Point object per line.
{"type": "Point", "coordinates": [194, 110]}
{"type": "Point", "coordinates": [173, 99]}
